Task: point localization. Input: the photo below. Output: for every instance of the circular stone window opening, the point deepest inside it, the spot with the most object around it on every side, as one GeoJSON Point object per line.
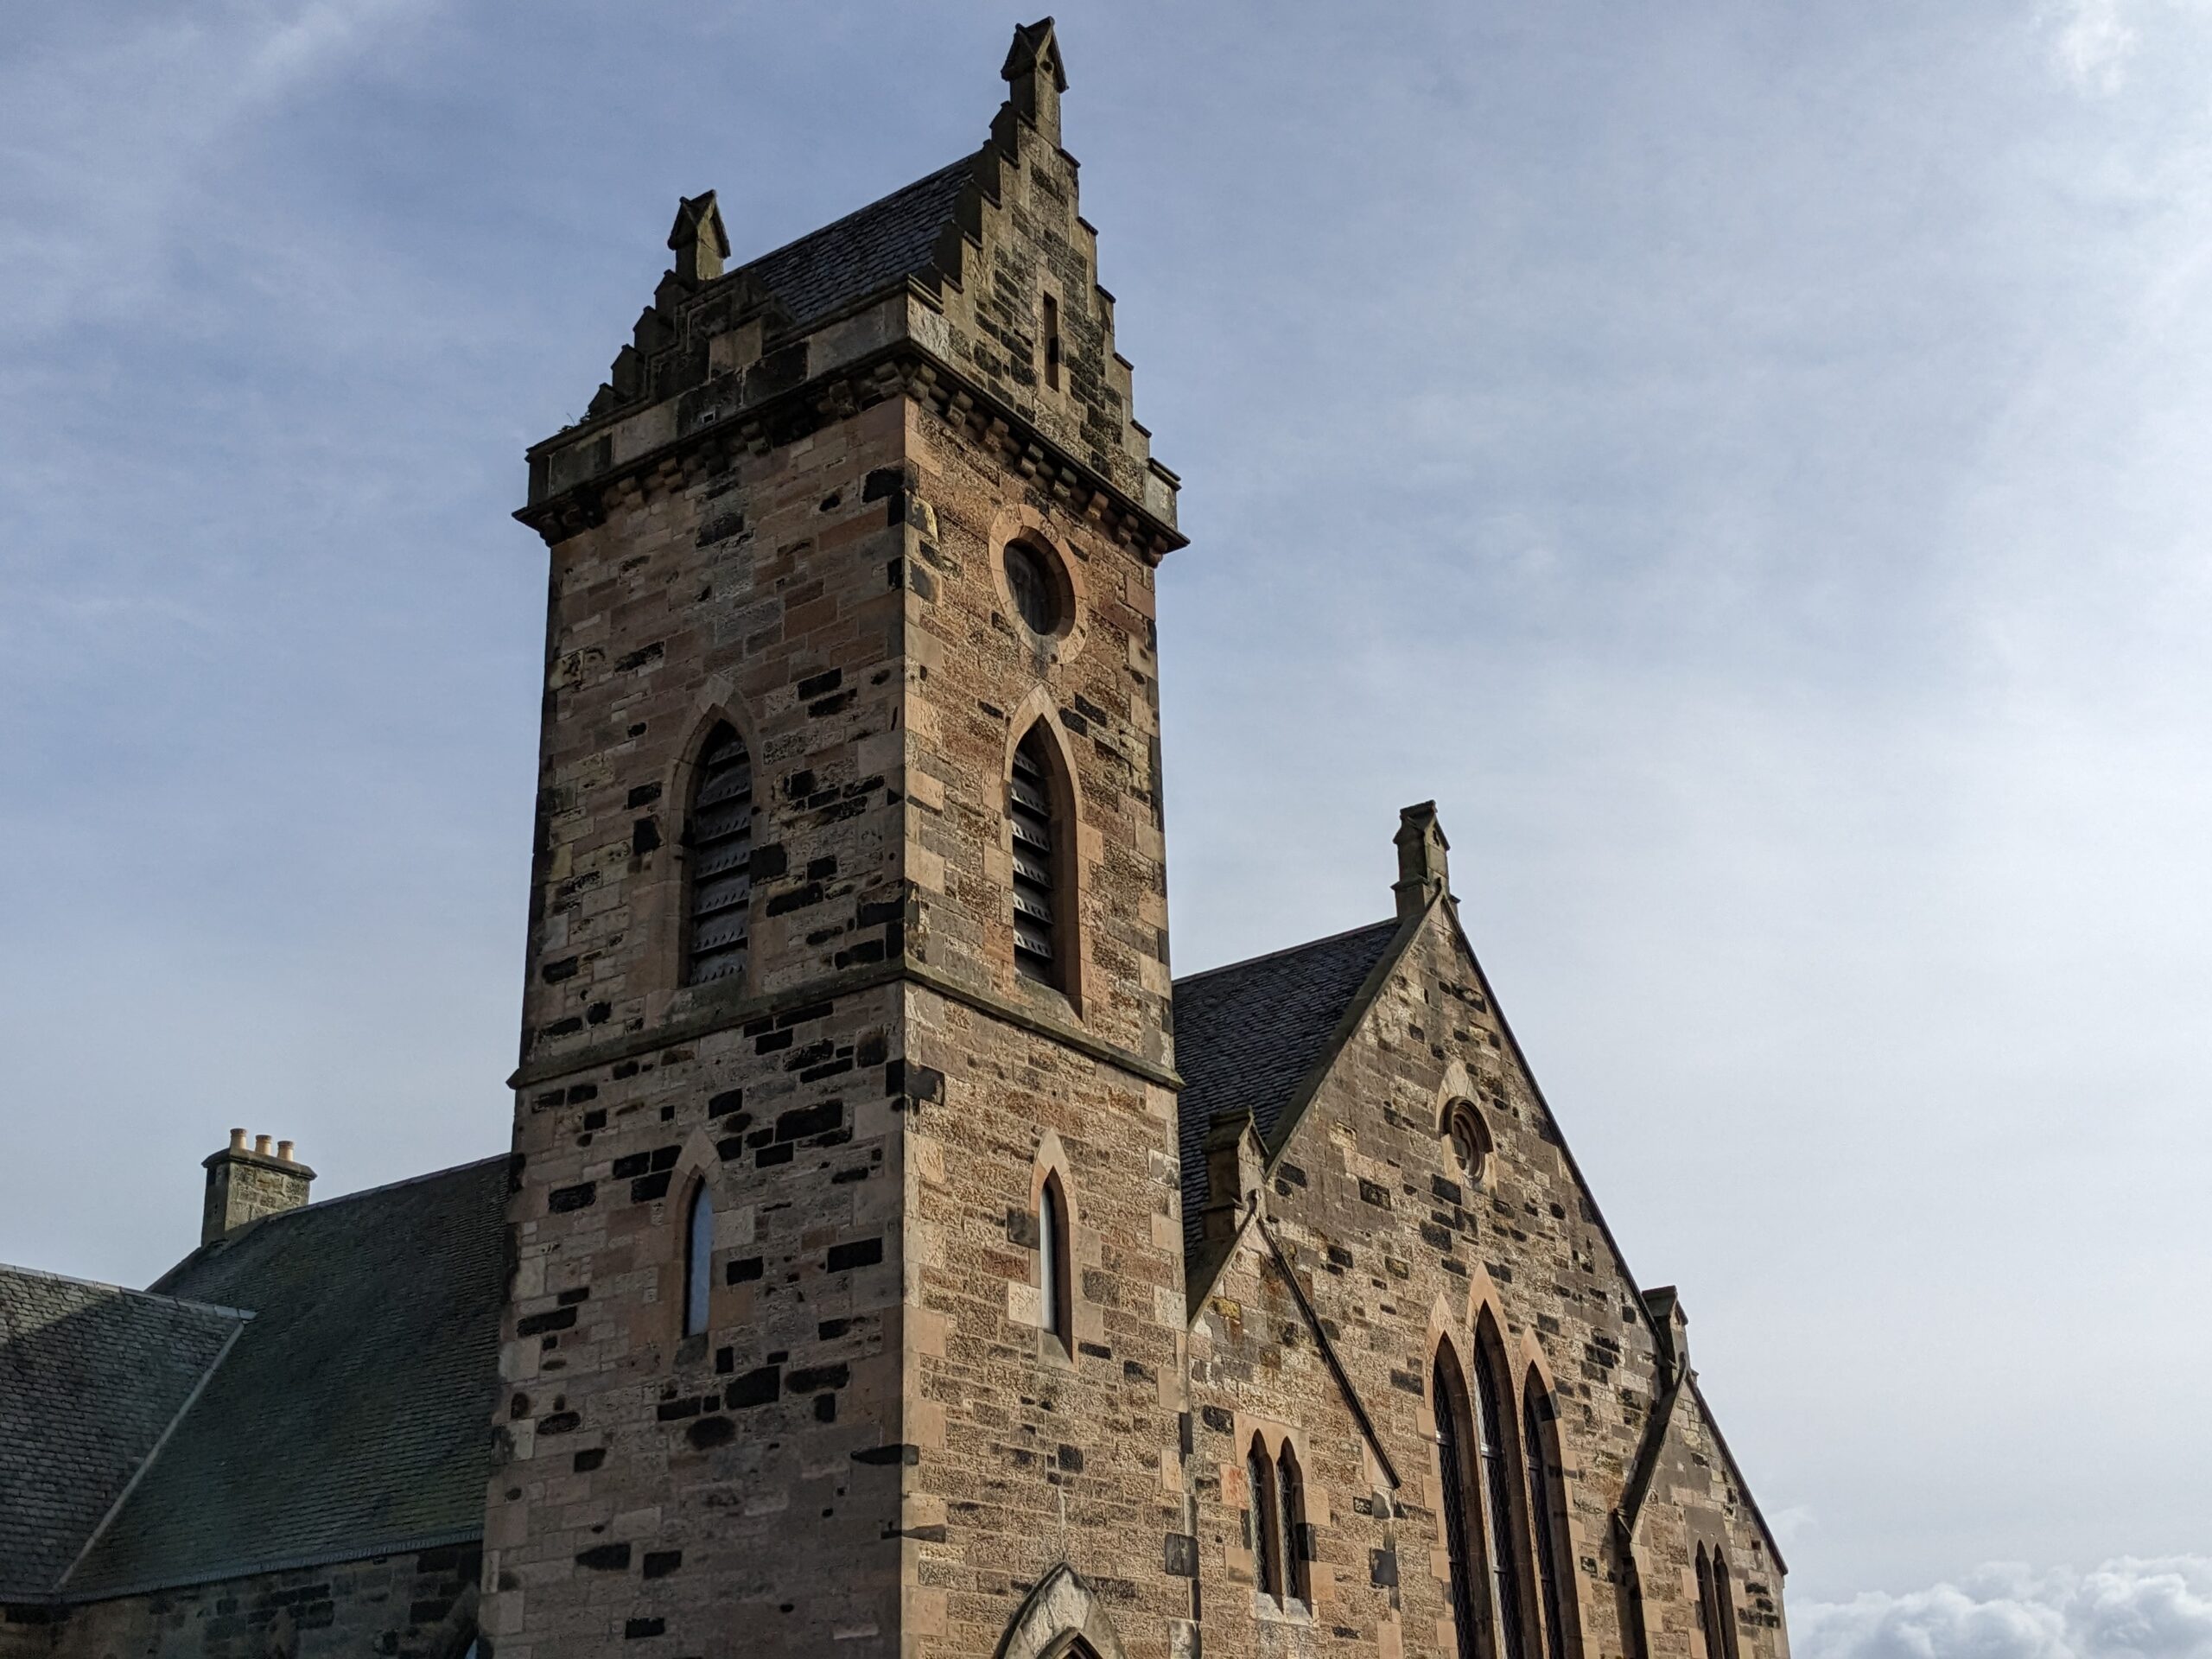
{"type": "Point", "coordinates": [1036, 586]}
{"type": "Point", "coordinates": [1470, 1138]}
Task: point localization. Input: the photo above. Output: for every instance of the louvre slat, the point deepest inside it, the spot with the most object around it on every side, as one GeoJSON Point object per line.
{"type": "Point", "coordinates": [717, 935]}
{"type": "Point", "coordinates": [720, 857]}
{"type": "Point", "coordinates": [717, 787]}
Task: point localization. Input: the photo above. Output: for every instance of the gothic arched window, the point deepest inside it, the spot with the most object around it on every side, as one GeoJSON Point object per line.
{"type": "Point", "coordinates": [698, 1260]}
{"type": "Point", "coordinates": [1290, 1503]}
{"type": "Point", "coordinates": [1716, 1605]}
{"type": "Point", "coordinates": [1547, 1516]}
{"type": "Point", "coordinates": [1266, 1532]}
{"type": "Point", "coordinates": [1462, 1536]}
{"type": "Point", "coordinates": [1043, 855]}
{"type": "Point", "coordinates": [1054, 1310]}
{"type": "Point", "coordinates": [1501, 1454]}
{"type": "Point", "coordinates": [718, 877]}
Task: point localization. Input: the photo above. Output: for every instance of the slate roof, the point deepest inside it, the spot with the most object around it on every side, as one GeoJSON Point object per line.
{"type": "Point", "coordinates": [91, 1377]}
{"type": "Point", "coordinates": [1247, 1036]}
{"type": "Point", "coordinates": [353, 1415]}
{"type": "Point", "coordinates": [863, 252]}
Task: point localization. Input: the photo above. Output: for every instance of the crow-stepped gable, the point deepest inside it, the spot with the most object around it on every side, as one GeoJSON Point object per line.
{"type": "Point", "coordinates": [892, 1258]}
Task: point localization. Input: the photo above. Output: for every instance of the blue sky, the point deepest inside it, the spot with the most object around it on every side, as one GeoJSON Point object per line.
{"type": "Point", "coordinates": [1745, 462]}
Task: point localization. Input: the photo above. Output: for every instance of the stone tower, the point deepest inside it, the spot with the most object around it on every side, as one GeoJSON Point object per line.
{"type": "Point", "coordinates": [848, 1299]}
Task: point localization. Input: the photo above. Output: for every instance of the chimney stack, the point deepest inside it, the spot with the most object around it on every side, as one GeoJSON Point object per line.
{"type": "Point", "coordinates": [1423, 871]}
{"type": "Point", "coordinates": [244, 1186]}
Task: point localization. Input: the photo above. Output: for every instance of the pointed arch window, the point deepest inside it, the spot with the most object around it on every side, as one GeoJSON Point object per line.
{"type": "Point", "coordinates": [1267, 1532]}
{"type": "Point", "coordinates": [1054, 1304]}
{"type": "Point", "coordinates": [1500, 1453]}
{"type": "Point", "coordinates": [1042, 903]}
{"type": "Point", "coordinates": [698, 1260]}
{"type": "Point", "coordinates": [1290, 1503]}
{"type": "Point", "coordinates": [1716, 1605]}
{"type": "Point", "coordinates": [1547, 1516]}
{"type": "Point", "coordinates": [719, 902]}
{"type": "Point", "coordinates": [1462, 1539]}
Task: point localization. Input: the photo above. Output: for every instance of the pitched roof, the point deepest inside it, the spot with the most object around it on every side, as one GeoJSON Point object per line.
{"type": "Point", "coordinates": [92, 1376]}
{"type": "Point", "coordinates": [353, 1415]}
{"type": "Point", "coordinates": [1247, 1036]}
{"type": "Point", "coordinates": [865, 252]}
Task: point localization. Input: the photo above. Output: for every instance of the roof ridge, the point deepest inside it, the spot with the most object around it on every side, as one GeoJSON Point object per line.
{"type": "Point", "coordinates": [193, 1303]}
{"type": "Point", "coordinates": [1287, 950]}
{"type": "Point", "coordinates": [867, 207]}
{"type": "Point", "coordinates": [387, 1186]}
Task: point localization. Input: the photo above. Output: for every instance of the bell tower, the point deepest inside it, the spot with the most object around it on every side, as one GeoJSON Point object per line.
{"type": "Point", "coordinates": [847, 1310]}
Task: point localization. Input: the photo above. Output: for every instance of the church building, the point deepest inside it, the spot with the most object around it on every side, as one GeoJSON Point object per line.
{"type": "Point", "coordinates": [894, 1260]}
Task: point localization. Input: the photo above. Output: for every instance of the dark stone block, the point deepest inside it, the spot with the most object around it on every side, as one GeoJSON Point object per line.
{"type": "Point", "coordinates": [1181, 1557]}
{"type": "Point", "coordinates": [605, 1558]}
{"type": "Point", "coordinates": [554, 972]}
{"type": "Point", "coordinates": [556, 1318]}
{"type": "Point", "coordinates": [814, 1378]}
{"type": "Point", "coordinates": [647, 1188]}
{"type": "Point", "coordinates": [738, 1273]}
{"type": "Point", "coordinates": [585, 1462]}
{"type": "Point", "coordinates": [659, 1563]}
{"type": "Point", "coordinates": [755, 1388]}
{"type": "Point", "coordinates": [564, 1198]}
{"type": "Point", "coordinates": [801, 1121]}
{"type": "Point", "coordinates": [897, 1453]}
{"type": "Point", "coordinates": [820, 683]}
{"type": "Point", "coordinates": [559, 1422]}
{"type": "Point", "coordinates": [637, 1628]}
{"type": "Point", "coordinates": [727, 1101]}
{"type": "Point", "coordinates": [644, 837]}
{"type": "Point", "coordinates": [861, 1253]}
{"type": "Point", "coordinates": [711, 1432]}
{"type": "Point", "coordinates": [630, 1167]}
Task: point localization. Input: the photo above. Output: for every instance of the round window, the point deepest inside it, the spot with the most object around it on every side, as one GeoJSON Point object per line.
{"type": "Point", "coordinates": [1034, 587]}
{"type": "Point", "coordinates": [1469, 1140]}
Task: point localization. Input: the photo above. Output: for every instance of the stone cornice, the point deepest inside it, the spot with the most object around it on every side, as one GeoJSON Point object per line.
{"type": "Point", "coordinates": [903, 367]}
{"type": "Point", "coordinates": [720, 1012]}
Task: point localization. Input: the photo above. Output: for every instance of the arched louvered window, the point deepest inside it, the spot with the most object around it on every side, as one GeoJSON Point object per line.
{"type": "Point", "coordinates": [1290, 1503]}
{"type": "Point", "coordinates": [1040, 856]}
{"type": "Point", "coordinates": [1501, 1453]}
{"type": "Point", "coordinates": [1462, 1538]}
{"type": "Point", "coordinates": [1055, 1313]}
{"type": "Point", "coordinates": [1266, 1532]}
{"type": "Point", "coordinates": [721, 853]}
{"type": "Point", "coordinates": [1547, 1516]}
{"type": "Point", "coordinates": [698, 1260]}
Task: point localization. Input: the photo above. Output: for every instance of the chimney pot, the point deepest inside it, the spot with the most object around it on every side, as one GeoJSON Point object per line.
{"type": "Point", "coordinates": [284, 1151]}
{"type": "Point", "coordinates": [238, 1140]}
{"type": "Point", "coordinates": [261, 1145]}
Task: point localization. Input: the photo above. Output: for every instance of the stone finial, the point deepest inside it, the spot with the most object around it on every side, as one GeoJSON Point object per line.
{"type": "Point", "coordinates": [1424, 872]}
{"type": "Point", "coordinates": [698, 239]}
{"type": "Point", "coordinates": [1036, 77]}
{"type": "Point", "coordinates": [246, 1182]}
{"type": "Point", "coordinates": [1665, 1305]}
{"type": "Point", "coordinates": [1236, 1166]}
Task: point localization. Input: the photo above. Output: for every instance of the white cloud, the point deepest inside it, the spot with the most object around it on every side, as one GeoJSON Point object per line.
{"type": "Point", "coordinates": [2094, 41]}
{"type": "Point", "coordinates": [2127, 1608]}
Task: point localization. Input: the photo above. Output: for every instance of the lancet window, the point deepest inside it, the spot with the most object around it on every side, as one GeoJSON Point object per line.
{"type": "Point", "coordinates": [720, 873]}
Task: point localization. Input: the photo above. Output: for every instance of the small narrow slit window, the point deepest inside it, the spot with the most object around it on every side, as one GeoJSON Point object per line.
{"type": "Point", "coordinates": [721, 875]}
{"type": "Point", "coordinates": [1052, 342]}
{"type": "Point", "coordinates": [1037, 928]}
{"type": "Point", "coordinates": [1053, 1262]}
{"type": "Point", "coordinates": [1290, 1500]}
{"type": "Point", "coordinates": [1708, 1626]}
{"type": "Point", "coordinates": [1724, 1605]}
{"type": "Point", "coordinates": [1267, 1535]}
{"type": "Point", "coordinates": [698, 1260]}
